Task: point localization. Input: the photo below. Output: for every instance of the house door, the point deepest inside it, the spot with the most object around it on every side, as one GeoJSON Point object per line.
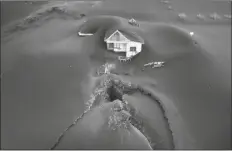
{"type": "Point", "coordinates": [133, 49]}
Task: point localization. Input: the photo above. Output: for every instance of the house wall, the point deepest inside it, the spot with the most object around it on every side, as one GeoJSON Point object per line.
{"type": "Point", "coordinates": [120, 42]}
{"type": "Point", "coordinates": [126, 48]}
{"type": "Point", "coordinates": [122, 45]}
{"type": "Point", "coordinates": [133, 44]}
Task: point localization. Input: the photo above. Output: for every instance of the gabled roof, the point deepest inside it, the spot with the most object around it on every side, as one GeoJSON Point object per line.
{"type": "Point", "coordinates": [125, 32]}
{"type": "Point", "coordinates": [132, 20]}
{"type": "Point", "coordinates": [110, 33]}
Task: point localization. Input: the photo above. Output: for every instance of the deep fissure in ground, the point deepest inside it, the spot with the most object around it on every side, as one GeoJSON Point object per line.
{"type": "Point", "coordinates": [115, 89]}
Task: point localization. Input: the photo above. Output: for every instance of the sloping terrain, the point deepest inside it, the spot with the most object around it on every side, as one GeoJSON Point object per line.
{"type": "Point", "coordinates": [48, 74]}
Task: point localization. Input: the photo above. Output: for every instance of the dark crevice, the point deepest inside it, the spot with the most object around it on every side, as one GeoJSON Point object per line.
{"type": "Point", "coordinates": [114, 94]}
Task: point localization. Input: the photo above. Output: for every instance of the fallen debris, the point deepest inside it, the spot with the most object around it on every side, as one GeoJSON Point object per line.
{"type": "Point", "coordinates": [227, 16]}
{"type": "Point", "coordinates": [200, 16]}
{"type": "Point", "coordinates": [105, 69]}
{"type": "Point", "coordinates": [82, 15]}
{"type": "Point", "coordinates": [155, 64]}
{"type": "Point", "coordinates": [182, 16]}
{"type": "Point", "coordinates": [170, 8]}
{"type": "Point", "coordinates": [215, 16]}
{"type": "Point", "coordinates": [84, 34]}
{"type": "Point", "coordinates": [165, 1]}
{"type": "Point", "coordinates": [124, 59]}
{"type": "Point", "coordinates": [191, 33]}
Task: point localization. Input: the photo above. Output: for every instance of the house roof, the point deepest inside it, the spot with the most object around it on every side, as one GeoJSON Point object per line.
{"type": "Point", "coordinates": [128, 34]}
{"type": "Point", "coordinates": [132, 20]}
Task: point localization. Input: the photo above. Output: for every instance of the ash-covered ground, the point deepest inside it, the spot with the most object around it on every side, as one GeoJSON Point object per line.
{"type": "Point", "coordinates": [49, 75]}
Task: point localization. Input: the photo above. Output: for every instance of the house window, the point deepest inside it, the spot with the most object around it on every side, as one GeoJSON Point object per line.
{"type": "Point", "coordinates": [111, 45]}
{"type": "Point", "coordinates": [133, 49]}
{"type": "Point", "coordinates": [117, 45]}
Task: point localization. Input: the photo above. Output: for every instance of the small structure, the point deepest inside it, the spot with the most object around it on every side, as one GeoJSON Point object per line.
{"type": "Point", "coordinates": [133, 22]}
{"type": "Point", "coordinates": [119, 40]}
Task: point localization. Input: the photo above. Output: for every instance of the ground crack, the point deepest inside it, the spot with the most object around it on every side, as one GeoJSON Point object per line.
{"type": "Point", "coordinates": [111, 89]}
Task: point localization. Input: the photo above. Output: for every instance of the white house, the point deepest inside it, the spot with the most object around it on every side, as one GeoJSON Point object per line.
{"type": "Point", "coordinates": [123, 41]}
